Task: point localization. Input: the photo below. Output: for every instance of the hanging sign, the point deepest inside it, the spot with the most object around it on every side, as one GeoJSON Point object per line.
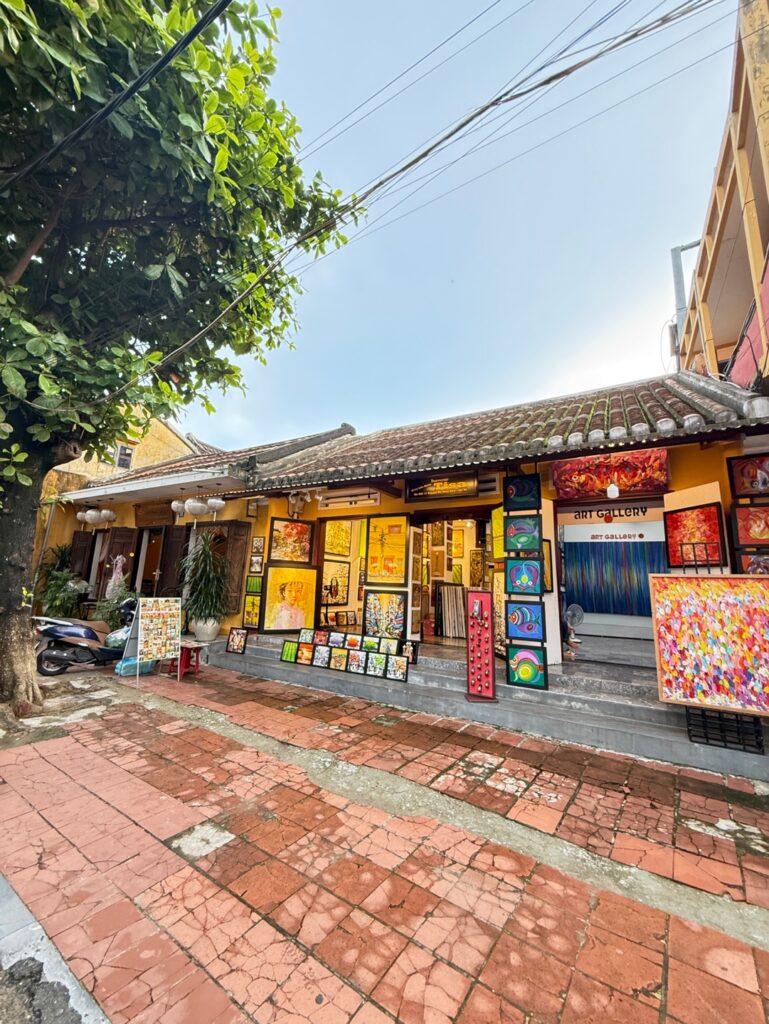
{"type": "Point", "coordinates": [433, 488]}
{"type": "Point", "coordinates": [480, 647]}
{"type": "Point", "coordinates": [644, 472]}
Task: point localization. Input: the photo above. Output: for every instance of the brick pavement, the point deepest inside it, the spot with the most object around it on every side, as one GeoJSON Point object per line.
{"type": "Point", "coordinates": [327, 911]}
{"type": "Point", "coordinates": [707, 831]}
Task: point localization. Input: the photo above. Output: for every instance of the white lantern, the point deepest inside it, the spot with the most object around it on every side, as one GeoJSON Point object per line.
{"type": "Point", "coordinates": [93, 516]}
{"type": "Point", "coordinates": [195, 507]}
{"type": "Point", "coordinates": [82, 517]}
{"type": "Point", "coordinates": [216, 504]}
{"type": "Point", "coordinates": [107, 515]}
{"type": "Point", "coordinates": [177, 507]}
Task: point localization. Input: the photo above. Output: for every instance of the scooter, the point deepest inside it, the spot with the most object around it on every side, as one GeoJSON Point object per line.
{"type": "Point", "coordinates": [63, 643]}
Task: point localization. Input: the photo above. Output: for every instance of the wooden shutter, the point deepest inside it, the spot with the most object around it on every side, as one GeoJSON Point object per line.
{"type": "Point", "coordinates": [237, 551]}
{"type": "Point", "coordinates": [174, 542]}
{"type": "Point", "coordinates": [82, 548]}
{"type": "Point", "coordinates": [121, 541]}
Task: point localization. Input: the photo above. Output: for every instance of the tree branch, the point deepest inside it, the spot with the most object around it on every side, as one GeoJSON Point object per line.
{"type": "Point", "coordinates": [42, 235]}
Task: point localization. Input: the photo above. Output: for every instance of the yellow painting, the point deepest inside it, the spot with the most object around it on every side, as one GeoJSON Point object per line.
{"type": "Point", "coordinates": [338, 537]}
{"type": "Point", "coordinates": [458, 544]}
{"type": "Point", "coordinates": [497, 534]}
{"type": "Point", "coordinates": [251, 610]}
{"type": "Point", "coordinates": [388, 540]}
{"type": "Point", "coordinates": [289, 598]}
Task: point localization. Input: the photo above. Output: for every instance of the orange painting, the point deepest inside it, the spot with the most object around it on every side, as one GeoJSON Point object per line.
{"type": "Point", "coordinates": [695, 536]}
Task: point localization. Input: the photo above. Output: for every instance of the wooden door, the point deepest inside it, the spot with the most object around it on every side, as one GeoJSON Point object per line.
{"type": "Point", "coordinates": [237, 552]}
{"type": "Point", "coordinates": [121, 541]}
{"type": "Point", "coordinates": [82, 549]}
{"type": "Point", "coordinates": [174, 543]}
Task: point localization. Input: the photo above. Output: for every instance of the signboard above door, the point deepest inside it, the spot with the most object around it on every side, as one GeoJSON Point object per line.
{"type": "Point", "coordinates": [154, 513]}
{"type": "Point", "coordinates": [435, 488]}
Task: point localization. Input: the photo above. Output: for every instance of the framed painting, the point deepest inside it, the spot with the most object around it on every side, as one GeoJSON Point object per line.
{"type": "Point", "coordinates": [321, 656]}
{"type": "Point", "coordinates": [306, 636]}
{"type": "Point", "coordinates": [417, 544]}
{"type": "Point", "coordinates": [251, 610]}
{"type": "Point", "coordinates": [256, 564]}
{"type": "Point", "coordinates": [289, 650]}
{"type": "Point", "coordinates": [524, 576]}
{"type": "Point", "coordinates": [524, 534]}
{"type": "Point", "coordinates": [341, 618]}
{"type": "Point", "coordinates": [388, 645]}
{"type": "Point", "coordinates": [438, 534]}
{"type": "Point", "coordinates": [237, 639]}
{"type": "Point", "coordinates": [695, 536]}
{"type": "Point", "coordinates": [291, 540]}
{"type": "Point", "coordinates": [336, 583]}
{"type": "Point", "coordinates": [458, 544]}
{"type": "Point", "coordinates": [437, 562]}
{"type": "Point", "coordinates": [387, 550]}
{"type": "Point", "coordinates": [288, 598]}
{"type": "Point", "coordinates": [370, 643]}
{"type": "Point", "coordinates": [410, 651]}
{"type": "Point", "coordinates": [356, 662]}
{"type": "Point", "coordinates": [477, 556]}
{"type": "Point", "coordinates": [456, 573]}
{"type": "Point", "coordinates": [253, 584]}
{"type": "Point", "coordinates": [352, 618]}
{"type": "Point", "coordinates": [257, 545]}
{"type": "Point", "coordinates": [304, 654]}
{"type": "Point", "coordinates": [525, 621]}
{"type": "Point", "coordinates": [338, 660]}
{"type": "Point", "coordinates": [522, 493]}
{"type": "Point", "coordinates": [376, 664]}
{"type": "Point", "coordinates": [338, 537]}
{"type": "Point", "coordinates": [352, 642]}
{"type": "Point", "coordinates": [751, 525]}
{"type": "Point", "coordinates": [397, 668]}
{"type": "Point", "coordinates": [320, 636]}
{"type": "Point", "coordinates": [547, 566]}
{"type": "Point", "coordinates": [252, 508]}
{"type": "Point", "coordinates": [384, 613]}
{"type": "Point", "coordinates": [749, 475]}
{"type": "Point", "coordinates": [711, 637]}
{"type": "Point", "coordinates": [336, 639]}
{"type": "Point", "coordinates": [527, 667]}
{"type": "Point", "coordinates": [753, 563]}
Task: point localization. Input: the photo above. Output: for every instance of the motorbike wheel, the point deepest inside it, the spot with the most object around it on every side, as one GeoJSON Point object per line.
{"type": "Point", "coordinates": [46, 667]}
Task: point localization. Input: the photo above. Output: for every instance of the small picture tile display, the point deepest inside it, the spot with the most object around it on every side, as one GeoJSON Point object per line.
{"type": "Point", "coordinates": [695, 536]}
{"type": "Point", "coordinates": [522, 493]}
{"type": "Point", "coordinates": [525, 621]}
{"type": "Point", "coordinates": [524, 576]}
{"type": "Point", "coordinates": [527, 667]}
{"type": "Point", "coordinates": [523, 534]}
{"type": "Point", "coordinates": [384, 657]}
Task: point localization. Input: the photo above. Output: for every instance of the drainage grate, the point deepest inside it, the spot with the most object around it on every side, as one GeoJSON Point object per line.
{"type": "Point", "coordinates": [725, 729]}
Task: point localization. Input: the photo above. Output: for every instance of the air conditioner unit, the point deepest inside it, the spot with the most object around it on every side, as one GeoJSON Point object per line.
{"type": "Point", "coordinates": [357, 498]}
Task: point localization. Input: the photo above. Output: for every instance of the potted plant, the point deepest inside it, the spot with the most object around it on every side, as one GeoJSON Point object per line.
{"type": "Point", "coordinates": [204, 575]}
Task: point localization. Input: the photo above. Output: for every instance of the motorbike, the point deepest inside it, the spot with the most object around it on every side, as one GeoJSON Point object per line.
{"type": "Point", "coordinates": [64, 643]}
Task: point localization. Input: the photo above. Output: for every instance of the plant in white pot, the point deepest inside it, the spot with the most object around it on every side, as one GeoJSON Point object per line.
{"type": "Point", "coordinates": [204, 574]}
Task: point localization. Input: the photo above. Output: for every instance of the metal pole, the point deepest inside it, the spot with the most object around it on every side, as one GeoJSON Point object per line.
{"type": "Point", "coordinates": [679, 288]}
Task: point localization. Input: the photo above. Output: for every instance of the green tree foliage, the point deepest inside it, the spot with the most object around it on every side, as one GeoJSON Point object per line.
{"type": "Point", "coordinates": [126, 245]}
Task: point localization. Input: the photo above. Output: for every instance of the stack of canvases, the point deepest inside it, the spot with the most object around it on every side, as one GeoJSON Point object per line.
{"type": "Point", "coordinates": [524, 583]}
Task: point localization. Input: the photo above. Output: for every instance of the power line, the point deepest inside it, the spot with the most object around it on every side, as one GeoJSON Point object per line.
{"type": "Point", "coordinates": [120, 98]}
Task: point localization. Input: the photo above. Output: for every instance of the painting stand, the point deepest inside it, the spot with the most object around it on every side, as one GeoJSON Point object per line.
{"type": "Point", "coordinates": [481, 685]}
{"type": "Point", "coordinates": [725, 729]}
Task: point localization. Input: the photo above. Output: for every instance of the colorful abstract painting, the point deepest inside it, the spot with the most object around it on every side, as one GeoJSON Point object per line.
{"type": "Point", "coordinates": [338, 537]}
{"type": "Point", "coordinates": [289, 598]}
{"type": "Point", "coordinates": [521, 493]}
{"type": "Point", "coordinates": [237, 640]}
{"type": "Point", "coordinates": [695, 536]}
{"type": "Point", "coordinates": [524, 576]}
{"type": "Point", "coordinates": [388, 541]}
{"type": "Point", "coordinates": [525, 621]}
{"type": "Point", "coordinates": [338, 659]}
{"type": "Point", "coordinates": [376, 664]}
{"type": "Point", "coordinates": [291, 540]}
{"type": "Point", "coordinates": [397, 668]}
{"type": "Point", "coordinates": [356, 662]}
{"type": "Point", "coordinates": [754, 563]}
{"type": "Point", "coordinates": [751, 525]}
{"type": "Point", "coordinates": [712, 641]}
{"type": "Point", "coordinates": [612, 579]}
{"type": "Point", "coordinates": [523, 533]}
{"type": "Point", "coordinates": [336, 583]}
{"type": "Point", "coordinates": [749, 475]}
{"type": "Point", "coordinates": [304, 654]}
{"type": "Point", "coordinates": [527, 666]}
{"type": "Point", "coordinates": [384, 613]}
{"type": "Point", "coordinates": [633, 472]}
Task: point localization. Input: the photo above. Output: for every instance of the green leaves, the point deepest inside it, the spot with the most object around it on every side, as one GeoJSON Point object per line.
{"type": "Point", "coordinates": [13, 380]}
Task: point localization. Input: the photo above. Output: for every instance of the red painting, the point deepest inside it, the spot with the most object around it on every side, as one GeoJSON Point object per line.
{"type": "Point", "coordinates": [633, 473]}
{"type": "Point", "coordinates": [751, 525]}
{"type": "Point", "coordinates": [695, 536]}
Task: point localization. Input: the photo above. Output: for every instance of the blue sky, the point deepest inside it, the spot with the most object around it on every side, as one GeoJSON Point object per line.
{"type": "Point", "coordinates": [550, 275]}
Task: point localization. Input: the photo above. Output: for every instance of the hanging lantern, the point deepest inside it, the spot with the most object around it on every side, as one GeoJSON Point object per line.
{"type": "Point", "coordinates": [196, 507]}
{"type": "Point", "coordinates": [177, 507]}
{"type": "Point", "coordinates": [82, 517]}
{"type": "Point", "coordinates": [216, 504]}
{"type": "Point", "coordinates": [93, 516]}
{"type": "Point", "coordinates": [107, 515]}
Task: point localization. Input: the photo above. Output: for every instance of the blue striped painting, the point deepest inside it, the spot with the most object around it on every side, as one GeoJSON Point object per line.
{"type": "Point", "coordinates": [612, 579]}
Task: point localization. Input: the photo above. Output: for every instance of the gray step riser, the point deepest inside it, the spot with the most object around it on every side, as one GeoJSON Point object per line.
{"type": "Point", "coordinates": [621, 632]}
{"type": "Point", "coordinates": [607, 732]}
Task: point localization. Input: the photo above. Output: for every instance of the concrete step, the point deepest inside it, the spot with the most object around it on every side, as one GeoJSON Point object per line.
{"type": "Point", "coordinates": [634, 627]}
{"type": "Point", "coordinates": [635, 728]}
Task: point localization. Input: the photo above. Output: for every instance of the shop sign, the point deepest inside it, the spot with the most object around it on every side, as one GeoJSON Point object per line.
{"type": "Point", "coordinates": [433, 488]}
{"type": "Point", "coordinates": [154, 513]}
{"type": "Point", "coordinates": [614, 533]}
{"type": "Point", "coordinates": [644, 472]}
{"type": "Point", "coordinates": [620, 512]}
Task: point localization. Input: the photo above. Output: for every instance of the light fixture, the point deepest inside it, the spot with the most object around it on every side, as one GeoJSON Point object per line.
{"type": "Point", "coordinates": [216, 504]}
{"type": "Point", "coordinates": [93, 516]}
{"type": "Point", "coordinates": [177, 507]}
{"type": "Point", "coordinates": [82, 517]}
{"type": "Point", "coordinates": [612, 491]}
{"type": "Point", "coordinates": [107, 515]}
{"type": "Point", "coordinates": [196, 507]}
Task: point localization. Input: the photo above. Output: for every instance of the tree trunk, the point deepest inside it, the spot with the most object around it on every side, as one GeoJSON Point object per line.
{"type": "Point", "coordinates": [18, 673]}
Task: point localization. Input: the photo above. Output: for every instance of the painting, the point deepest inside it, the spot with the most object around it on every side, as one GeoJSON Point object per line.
{"type": "Point", "coordinates": [416, 620]}
{"type": "Point", "coordinates": [397, 668]}
{"type": "Point", "coordinates": [336, 582]}
{"type": "Point", "coordinates": [376, 664]}
{"type": "Point", "coordinates": [523, 533]}
{"type": "Point", "coordinates": [436, 562]}
{"type": "Point", "coordinates": [749, 475]}
{"type": "Point", "coordinates": [252, 508]}
{"type": "Point", "coordinates": [289, 598]}
{"type": "Point", "coordinates": [320, 636]}
{"type": "Point", "coordinates": [527, 667]}
{"type": "Point", "coordinates": [384, 613]}
{"type": "Point", "coordinates": [251, 610]}
{"type": "Point", "coordinates": [498, 607]}
{"type": "Point", "coordinates": [388, 645]}
{"type": "Point", "coordinates": [477, 556]}
{"type": "Point", "coordinates": [711, 636]}
{"type": "Point", "coordinates": [497, 534]}
{"type": "Point", "coordinates": [236, 640]}
{"type": "Point", "coordinates": [289, 651]}
{"type": "Point", "coordinates": [370, 643]}
{"type": "Point", "coordinates": [338, 537]}
{"type": "Point", "coordinates": [753, 563]}
{"type": "Point", "coordinates": [456, 573]}
{"type": "Point", "coordinates": [352, 642]}
{"type": "Point", "coordinates": [338, 660]}
{"type": "Point", "coordinates": [356, 662]}
{"type": "Point", "coordinates": [751, 525]}
{"type": "Point", "coordinates": [253, 584]}
{"type": "Point", "coordinates": [352, 618]}
{"type": "Point", "coordinates": [416, 544]}
{"type": "Point", "coordinates": [547, 565]}
{"type": "Point", "coordinates": [321, 656]}
{"type": "Point", "coordinates": [642, 472]}
{"type": "Point", "coordinates": [257, 545]}
{"type": "Point", "coordinates": [695, 536]}
{"type": "Point", "coordinates": [458, 544]}
{"type": "Point", "coordinates": [388, 540]}
{"type": "Point", "coordinates": [341, 618]}
{"type": "Point", "coordinates": [438, 534]}
{"type": "Point", "coordinates": [256, 564]}
{"type": "Point", "coordinates": [291, 540]}
{"type": "Point", "coordinates": [525, 621]}
{"type": "Point", "coordinates": [304, 654]}
{"type": "Point", "coordinates": [524, 576]}
{"type": "Point", "coordinates": [336, 639]}
{"type": "Point", "coordinates": [522, 493]}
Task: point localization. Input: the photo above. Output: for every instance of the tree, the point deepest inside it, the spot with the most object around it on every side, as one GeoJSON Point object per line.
{"type": "Point", "coordinates": [125, 246]}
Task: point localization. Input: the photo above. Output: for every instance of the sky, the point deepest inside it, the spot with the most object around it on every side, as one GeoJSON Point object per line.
{"type": "Point", "coordinates": [549, 275]}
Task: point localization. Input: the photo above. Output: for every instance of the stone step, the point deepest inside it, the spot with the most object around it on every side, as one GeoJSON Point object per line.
{"type": "Point", "coordinates": [627, 728]}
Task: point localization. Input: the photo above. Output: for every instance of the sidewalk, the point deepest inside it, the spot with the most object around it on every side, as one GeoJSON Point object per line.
{"type": "Point", "coordinates": [188, 877]}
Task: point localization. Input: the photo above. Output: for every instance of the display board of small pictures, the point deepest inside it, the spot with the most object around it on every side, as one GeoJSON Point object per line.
{"type": "Point", "coordinates": [380, 656]}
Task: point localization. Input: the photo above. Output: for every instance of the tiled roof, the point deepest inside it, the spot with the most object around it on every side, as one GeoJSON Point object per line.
{"type": "Point", "coordinates": [201, 447]}
{"type": "Point", "coordinates": [660, 409]}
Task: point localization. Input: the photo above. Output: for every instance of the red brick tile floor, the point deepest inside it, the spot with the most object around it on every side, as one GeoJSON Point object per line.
{"type": "Point", "coordinates": [324, 910]}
